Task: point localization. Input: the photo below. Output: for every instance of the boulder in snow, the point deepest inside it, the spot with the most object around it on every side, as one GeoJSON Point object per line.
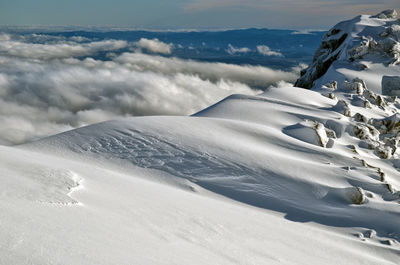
{"type": "Point", "coordinates": [342, 107]}
{"type": "Point", "coordinates": [311, 132]}
{"type": "Point", "coordinates": [356, 195]}
{"type": "Point", "coordinates": [357, 84]}
{"type": "Point", "coordinates": [387, 14]}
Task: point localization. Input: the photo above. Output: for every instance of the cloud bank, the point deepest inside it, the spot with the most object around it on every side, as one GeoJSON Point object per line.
{"type": "Point", "coordinates": [57, 85]}
{"type": "Point", "coordinates": [266, 51]}
{"type": "Point", "coordinates": [154, 46]}
{"type": "Point", "coordinates": [233, 50]}
{"type": "Point", "coordinates": [62, 49]}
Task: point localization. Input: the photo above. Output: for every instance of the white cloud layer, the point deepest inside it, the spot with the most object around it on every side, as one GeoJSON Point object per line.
{"type": "Point", "coordinates": [266, 51]}
{"type": "Point", "coordinates": [154, 46]}
{"type": "Point", "coordinates": [233, 50]}
{"type": "Point", "coordinates": [254, 76]}
{"type": "Point", "coordinates": [52, 87]}
{"type": "Point", "coordinates": [63, 49]}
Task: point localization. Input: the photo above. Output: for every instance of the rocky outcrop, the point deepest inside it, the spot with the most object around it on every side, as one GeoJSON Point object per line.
{"type": "Point", "coordinates": [341, 43]}
{"type": "Point", "coordinates": [326, 54]}
{"type": "Point", "coordinates": [390, 13]}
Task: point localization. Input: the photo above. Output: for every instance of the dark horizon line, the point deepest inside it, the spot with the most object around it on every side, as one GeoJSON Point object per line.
{"type": "Point", "coordinates": [110, 28]}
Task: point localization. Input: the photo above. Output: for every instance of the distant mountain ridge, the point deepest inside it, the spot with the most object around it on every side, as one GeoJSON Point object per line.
{"type": "Point", "coordinates": [212, 46]}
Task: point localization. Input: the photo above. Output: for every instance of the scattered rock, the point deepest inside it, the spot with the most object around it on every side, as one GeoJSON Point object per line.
{"type": "Point", "coordinates": [382, 175]}
{"type": "Point", "coordinates": [360, 118]}
{"type": "Point", "coordinates": [332, 85]}
{"type": "Point", "coordinates": [367, 104]}
{"type": "Point", "coordinates": [366, 131]}
{"type": "Point", "coordinates": [380, 101]}
{"type": "Point", "coordinates": [357, 100]}
{"type": "Point", "coordinates": [363, 45]}
{"type": "Point", "coordinates": [321, 132]}
{"type": "Point", "coordinates": [330, 133]}
{"type": "Point", "coordinates": [388, 125]}
{"type": "Point", "coordinates": [370, 233]}
{"type": "Point", "coordinates": [393, 31]}
{"type": "Point", "coordinates": [343, 107]}
{"type": "Point", "coordinates": [393, 143]}
{"type": "Point", "coordinates": [390, 188]}
{"type": "Point", "coordinates": [331, 96]}
{"type": "Point", "coordinates": [387, 14]}
{"type": "Point", "coordinates": [356, 195]}
{"type": "Point", "coordinates": [353, 148]}
{"type": "Point", "coordinates": [384, 152]}
{"type": "Point", "coordinates": [360, 236]}
{"type": "Point", "coordinates": [389, 242]}
{"type": "Point", "coordinates": [357, 85]}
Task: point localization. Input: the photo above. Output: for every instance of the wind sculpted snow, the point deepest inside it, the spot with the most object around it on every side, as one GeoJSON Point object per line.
{"type": "Point", "coordinates": [235, 149]}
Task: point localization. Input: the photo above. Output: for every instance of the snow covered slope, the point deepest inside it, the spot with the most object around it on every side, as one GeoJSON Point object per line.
{"type": "Point", "coordinates": [291, 176]}
{"type": "Point", "coordinates": [122, 218]}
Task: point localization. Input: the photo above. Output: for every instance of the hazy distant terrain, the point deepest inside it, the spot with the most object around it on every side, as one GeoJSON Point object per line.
{"type": "Point", "coordinates": [212, 46]}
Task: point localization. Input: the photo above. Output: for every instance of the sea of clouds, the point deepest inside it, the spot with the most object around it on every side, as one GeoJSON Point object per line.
{"type": "Point", "coordinates": [261, 49]}
{"type": "Point", "coordinates": [51, 84]}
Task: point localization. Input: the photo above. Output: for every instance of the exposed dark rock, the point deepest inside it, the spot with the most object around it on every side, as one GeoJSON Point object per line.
{"type": "Point", "coordinates": [326, 54]}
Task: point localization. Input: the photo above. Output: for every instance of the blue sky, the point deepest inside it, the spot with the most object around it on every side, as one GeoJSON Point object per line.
{"type": "Point", "coordinates": [188, 14]}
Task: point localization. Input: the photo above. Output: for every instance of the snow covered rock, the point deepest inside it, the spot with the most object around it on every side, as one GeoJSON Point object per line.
{"type": "Point", "coordinates": [332, 85]}
{"type": "Point", "coordinates": [364, 43]}
{"type": "Point", "coordinates": [387, 125]}
{"type": "Point", "coordinates": [326, 54]}
{"type": "Point", "coordinates": [366, 131]}
{"type": "Point", "coordinates": [382, 135]}
{"type": "Point", "coordinates": [357, 84]}
{"type": "Point", "coordinates": [387, 14]}
{"type": "Point", "coordinates": [361, 47]}
{"type": "Point", "coordinates": [311, 132]}
{"type": "Point", "coordinates": [343, 107]}
{"type": "Point", "coordinates": [356, 195]}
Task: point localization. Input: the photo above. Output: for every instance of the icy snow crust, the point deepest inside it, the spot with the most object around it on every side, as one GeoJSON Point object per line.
{"type": "Point", "coordinates": [291, 176]}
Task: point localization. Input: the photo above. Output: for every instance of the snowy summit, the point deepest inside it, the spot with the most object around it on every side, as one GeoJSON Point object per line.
{"type": "Point", "coordinates": [290, 176]}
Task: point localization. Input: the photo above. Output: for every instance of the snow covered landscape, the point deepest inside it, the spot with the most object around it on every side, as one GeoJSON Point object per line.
{"type": "Point", "coordinates": [304, 174]}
